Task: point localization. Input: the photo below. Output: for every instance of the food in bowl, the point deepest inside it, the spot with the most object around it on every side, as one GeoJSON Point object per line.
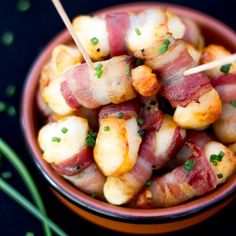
{"type": "Point", "coordinates": [124, 131]}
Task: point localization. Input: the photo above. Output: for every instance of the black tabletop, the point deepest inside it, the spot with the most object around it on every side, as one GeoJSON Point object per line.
{"type": "Point", "coordinates": [31, 30]}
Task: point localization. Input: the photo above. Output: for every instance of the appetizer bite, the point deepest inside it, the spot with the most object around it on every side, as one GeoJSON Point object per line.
{"type": "Point", "coordinates": [130, 128]}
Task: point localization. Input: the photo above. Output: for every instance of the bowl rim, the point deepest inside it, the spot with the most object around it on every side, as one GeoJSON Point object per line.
{"type": "Point", "coordinates": [78, 197]}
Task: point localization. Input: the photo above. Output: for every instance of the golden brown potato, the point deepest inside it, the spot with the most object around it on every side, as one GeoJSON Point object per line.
{"type": "Point", "coordinates": [224, 127]}
{"type": "Point", "coordinates": [194, 53]}
{"type": "Point", "coordinates": [232, 147]}
{"type": "Point", "coordinates": [198, 115]}
{"type": "Point", "coordinates": [117, 145]}
{"type": "Point", "coordinates": [212, 53]}
{"type": "Point", "coordinates": [144, 81]}
{"type": "Point", "coordinates": [224, 168]}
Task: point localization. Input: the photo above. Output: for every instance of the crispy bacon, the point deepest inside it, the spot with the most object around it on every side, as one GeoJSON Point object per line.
{"type": "Point", "coordinates": [226, 87]}
{"type": "Point", "coordinates": [75, 164]}
{"type": "Point", "coordinates": [179, 185]}
{"type": "Point", "coordinates": [117, 27]}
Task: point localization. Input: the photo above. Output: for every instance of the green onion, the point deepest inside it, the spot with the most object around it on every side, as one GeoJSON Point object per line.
{"type": "Point", "coordinates": [7, 38]}
{"type": "Point", "coordinates": [120, 115]}
{"type": "Point", "coordinates": [91, 138]}
{"type": "Point", "coordinates": [140, 121]}
{"type": "Point", "coordinates": [233, 103]}
{"type": "Point", "coordinates": [220, 176]}
{"type": "Point", "coordinates": [138, 32]}
{"type": "Point", "coordinates": [106, 128]}
{"type": "Point", "coordinates": [188, 165]}
{"type": "Point", "coordinates": [23, 5]}
{"type": "Point", "coordinates": [93, 195]}
{"type": "Point", "coordinates": [141, 133]}
{"type": "Point", "coordinates": [127, 70]}
{"type": "Point", "coordinates": [225, 68]}
{"type": "Point", "coordinates": [138, 62]}
{"type": "Point", "coordinates": [22, 201]}
{"type": "Point", "coordinates": [10, 90]}
{"type": "Point", "coordinates": [3, 106]}
{"type": "Point", "coordinates": [99, 71]}
{"type": "Point", "coordinates": [94, 41]}
{"type": "Point", "coordinates": [148, 183]}
{"type": "Point", "coordinates": [11, 110]}
{"type": "Point", "coordinates": [27, 179]}
{"type": "Point", "coordinates": [164, 47]}
{"type": "Point", "coordinates": [214, 159]}
{"type": "Point", "coordinates": [56, 139]}
{"type": "Point", "coordinates": [64, 130]}
{"type": "Point", "coordinates": [6, 175]}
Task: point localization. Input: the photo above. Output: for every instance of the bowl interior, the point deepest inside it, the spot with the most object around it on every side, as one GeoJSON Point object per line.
{"type": "Point", "coordinates": [214, 32]}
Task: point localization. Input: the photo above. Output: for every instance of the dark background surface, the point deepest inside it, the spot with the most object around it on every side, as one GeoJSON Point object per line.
{"type": "Point", "coordinates": [32, 30]}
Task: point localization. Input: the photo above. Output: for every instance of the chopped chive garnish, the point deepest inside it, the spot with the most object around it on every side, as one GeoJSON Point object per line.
{"type": "Point", "coordinates": [127, 70]}
{"type": "Point", "coordinates": [225, 68]}
{"type": "Point", "coordinates": [91, 138]}
{"type": "Point", "coordinates": [120, 115]}
{"type": "Point", "coordinates": [106, 128]}
{"type": "Point", "coordinates": [93, 195]}
{"type": "Point", "coordinates": [3, 106]}
{"type": "Point", "coordinates": [6, 175]}
{"type": "Point", "coordinates": [214, 159]}
{"type": "Point", "coordinates": [148, 183]}
{"type": "Point", "coordinates": [23, 172]}
{"type": "Point", "coordinates": [220, 176]}
{"type": "Point", "coordinates": [7, 38]}
{"type": "Point", "coordinates": [233, 103]}
{"type": "Point", "coordinates": [64, 130]}
{"type": "Point", "coordinates": [56, 139]}
{"type": "Point", "coordinates": [164, 47]}
{"type": "Point", "coordinates": [11, 111]}
{"type": "Point", "coordinates": [138, 32]}
{"type": "Point", "coordinates": [10, 90]}
{"type": "Point", "coordinates": [94, 41]}
{"type": "Point", "coordinates": [188, 165]}
{"type": "Point", "coordinates": [23, 5]}
{"type": "Point", "coordinates": [99, 71]}
{"type": "Point", "coordinates": [138, 62]}
{"type": "Point", "coordinates": [26, 204]}
{"type": "Point", "coordinates": [140, 121]}
{"type": "Point", "coordinates": [141, 133]}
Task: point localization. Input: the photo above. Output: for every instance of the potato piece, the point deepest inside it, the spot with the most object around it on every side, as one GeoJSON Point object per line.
{"type": "Point", "coordinates": [212, 53]}
{"type": "Point", "coordinates": [58, 146]}
{"type": "Point", "coordinates": [224, 168]}
{"type": "Point", "coordinates": [88, 28]}
{"type": "Point", "coordinates": [224, 127]}
{"type": "Point", "coordinates": [232, 147]}
{"type": "Point", "coordinates": [117, 145]}
{"type": "Point", "coordinates": [198, 115]}
{"type": "Point", "coordinates": [144, 81]}
{"type": "Point", "coordinates": [194, 53]}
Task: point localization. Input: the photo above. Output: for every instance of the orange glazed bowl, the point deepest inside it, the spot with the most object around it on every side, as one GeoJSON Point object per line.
{"type": "Point", "coordinates": [137, 221]}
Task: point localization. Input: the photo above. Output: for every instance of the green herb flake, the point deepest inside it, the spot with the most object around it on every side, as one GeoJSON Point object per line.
{"type": "Point", "coordinates": [56, 139]}
{"type": "Point", "coordinates": [3, 106]}
{"type": "Point", "coordinates": [64, 130]}
{"type": "Point", "coordinates": [120, 115]}
{"type": "Point", "coordinates": [189, 165]}
{"type": "Point", "coordinates": [233, 103]}
{"type": "Point", "coordinates": [99, 71]}
{"type": "Point", "coordinates": [94, 41]}
{"type": "Point", "coordinates": [106, 128]}
{"type": "Point", "coordinates": [164, 47]}
{"type": "Point", "coordinates": [137, 31]}
{"type": "Point", "coordinates": [220, 176]}
{"type": "Point", "coordinates": [6, 175]}
{"type": "Point", "coordinates": [10, 90]}
{"type": "Point", "coordinates": [93, 195]}
{"type": "Point", "coordinates": [148, 184]}
{"type": "Point", "coordinates": [91, 138]}
{"type": "Point", "coordinates": [7, 38]}
{"type": "Point", "coordinates": [140, 121]}
{"type": "Point", "coordinates": [127, 70]}
{"type": "Point", "coordinates": [138, 62]}
{"type": "Point", "coordinates": [141, 133]}
{"type": "Point", "coordinates": [225, 68]}
{"type": "Point", "coordinates": [23, 5]}
{"type": "Point", "coordinates": [214, 159]}
{"type": "Point", "coordinates": [11, 111]}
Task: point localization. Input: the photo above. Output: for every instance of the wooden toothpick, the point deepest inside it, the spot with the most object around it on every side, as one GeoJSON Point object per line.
{"type": "Point", "coordinates": [210, 65]}
{"type": "Point", "coordinates": [69, 26]}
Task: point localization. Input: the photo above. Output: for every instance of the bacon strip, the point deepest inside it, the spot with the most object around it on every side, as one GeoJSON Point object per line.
{"type": "Point", "coordinates": [226, 87]}
{"type": "Point", "coordinates": [117, 27]}
{"type": "Point", "coordinates": [179, 185]}
{"type": "Point", "coordinates": [75, 164]}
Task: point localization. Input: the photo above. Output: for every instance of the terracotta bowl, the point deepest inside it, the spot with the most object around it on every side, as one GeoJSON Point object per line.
{"type": "Point", "coordinates": [122, 219]}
